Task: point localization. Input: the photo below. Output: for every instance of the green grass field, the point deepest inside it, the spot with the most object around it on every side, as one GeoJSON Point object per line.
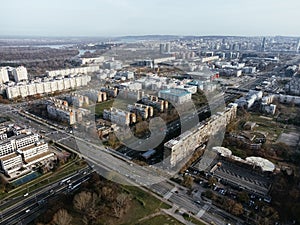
{"type": "Point", "coordinates": [160, 220]}
{"type": "Point", "coordinates": [144, 204]}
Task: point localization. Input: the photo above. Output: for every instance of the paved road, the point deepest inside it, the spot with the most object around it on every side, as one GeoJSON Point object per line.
{"type": "Point", "coordinates": [35, 200]}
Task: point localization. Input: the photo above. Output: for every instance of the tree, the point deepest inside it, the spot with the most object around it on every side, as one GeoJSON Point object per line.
{"type": "Point", "coordinates": [212, 181]}
{"type": "Point", "coordinates": [187, 181]}
{"type": "Point", "coordinates": [113, 140]}
{"type": "Point", "coordinates": [243, 197]}
{"type": "Point", "coordinates": [62, 217]}
{"type": "Point", "coordinates": [81, 200]}
{"type": "Point", "coordinates": [237, 209]}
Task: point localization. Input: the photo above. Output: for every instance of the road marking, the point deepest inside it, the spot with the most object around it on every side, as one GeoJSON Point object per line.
{"type": "Point", "coordinates": [202, 211]}
{"type": "Point", "coordinates": [169, 194]}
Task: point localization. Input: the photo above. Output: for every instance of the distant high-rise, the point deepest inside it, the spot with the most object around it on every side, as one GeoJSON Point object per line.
{"type": "Point", "coordinates": [298, 46]}
{"type": "Point", "coordinates": [168, 48]}
{"type": "Point", "coordinates": [162, 48]}
{"type": "Point", "coordinates": [263, 44]}
{"type": "Point", "coordinates": [165, 48]}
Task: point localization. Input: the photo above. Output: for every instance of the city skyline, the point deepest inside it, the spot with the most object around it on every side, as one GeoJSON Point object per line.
{"type": "Point", "coordinates": [131, 17]}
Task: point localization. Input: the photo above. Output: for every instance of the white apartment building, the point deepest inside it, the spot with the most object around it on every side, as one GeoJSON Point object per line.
{"type": "Point", "coordinates": [12, 144]}
{"type": "Point", "coordinates": [7, 147]}
{"type": "Point", "coordinates": [11, 163]}
{"type": "Point", "coordinates": [20, 74]}
{"type": "Point", "coordinates": [35, 153]}
{"type": "Point", "coordinates": [46, 86]}
{"type": "Point", "coordinates": [3, 75]}
{"type": "Point", "coordinates": [73, 71]}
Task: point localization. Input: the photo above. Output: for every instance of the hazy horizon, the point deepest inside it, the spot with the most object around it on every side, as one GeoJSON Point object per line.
{"type": "Point", "coordinates": [105, 18]}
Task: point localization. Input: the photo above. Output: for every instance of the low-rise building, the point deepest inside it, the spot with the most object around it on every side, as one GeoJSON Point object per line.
{"type": "Point", "coordinates": [176, 96]}
{"type": "Point", "coordinates": [21, 151]}
{"type": "Point", "coordinates": [10, 163]}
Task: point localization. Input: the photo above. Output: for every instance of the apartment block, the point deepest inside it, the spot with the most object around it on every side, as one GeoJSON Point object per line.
{"type": "Point", "coordinates": [184, 145]}
{"type": "Point", "coordinates": [139, 109]}
{"type": "Point", "coordinates": [154, 101]}
{"type": "Point", "coordinates": [119, 116]}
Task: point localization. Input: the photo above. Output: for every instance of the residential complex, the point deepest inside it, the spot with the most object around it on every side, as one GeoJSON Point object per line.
{"type": "Point", "coordinates": [179, 148]}
{"type": "Point", "coordinates": [21, 150]}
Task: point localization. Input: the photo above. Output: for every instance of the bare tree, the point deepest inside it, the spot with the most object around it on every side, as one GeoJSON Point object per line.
{"type": "Point", "coordinates": [81, 200]}
{"type": "Point", "coordinates": [62, 217]}
{"type": "Point", "coordinates": [122, 199]}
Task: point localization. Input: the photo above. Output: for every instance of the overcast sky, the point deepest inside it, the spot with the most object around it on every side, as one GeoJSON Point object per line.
{"type": "Point", "coordinates": [140, 17]}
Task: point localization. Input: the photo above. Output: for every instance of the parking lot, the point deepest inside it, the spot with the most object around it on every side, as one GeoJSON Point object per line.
{"type": "Point", "coordinates": [243, 178]}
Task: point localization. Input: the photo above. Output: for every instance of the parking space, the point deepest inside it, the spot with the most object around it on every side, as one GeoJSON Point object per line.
{"type": "Point", "coordinates": [243, 178]}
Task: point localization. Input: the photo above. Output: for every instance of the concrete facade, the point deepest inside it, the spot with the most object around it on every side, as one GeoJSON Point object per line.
{"type": "Point", "coordinates": [184, 145]}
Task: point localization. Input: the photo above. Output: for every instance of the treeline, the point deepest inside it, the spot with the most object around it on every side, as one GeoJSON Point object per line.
{"type": "Point", "coordinates": [98, 200]}
{"type": "Point", "coordinates": [34, 53]}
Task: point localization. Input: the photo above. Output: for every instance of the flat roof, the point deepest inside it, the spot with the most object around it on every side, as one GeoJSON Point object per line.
{"type": "Point", "coordinates": [10, 156]}
{"type": "Point", "coordinates": [176, 92]}
{"type": "Point", "coordinates": [26, 148]}
{"type": "Point", "coordinates": [48, 153]}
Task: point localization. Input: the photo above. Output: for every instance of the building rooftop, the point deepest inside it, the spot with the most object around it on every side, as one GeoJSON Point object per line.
{"type": "Point", "coordinates": [7, 157]}
{"type": "Point", "coordinates": [28, 147]}
{"type": "Point", "coordinates": [39, 156]}
{"type": "Point", "coordinates": [176, 92]}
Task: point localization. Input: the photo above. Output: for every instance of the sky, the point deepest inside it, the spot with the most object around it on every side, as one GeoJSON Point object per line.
{"type": "Point", "coordinates": [145, 17]}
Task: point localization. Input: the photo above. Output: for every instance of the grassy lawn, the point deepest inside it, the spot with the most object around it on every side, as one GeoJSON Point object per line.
{"type": "Point", "coordinates": [267, 126]}
{"type": "Point", "coordinates": [192, 219]}
{"type": "Point", "coordinates": [160, 220]}
{"type": "Point", "coordinates": [99, 107]}
{"type": "Point", "coordinates": [143, 205]}
{"type": "Point", "coordinates": [117, 103]}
